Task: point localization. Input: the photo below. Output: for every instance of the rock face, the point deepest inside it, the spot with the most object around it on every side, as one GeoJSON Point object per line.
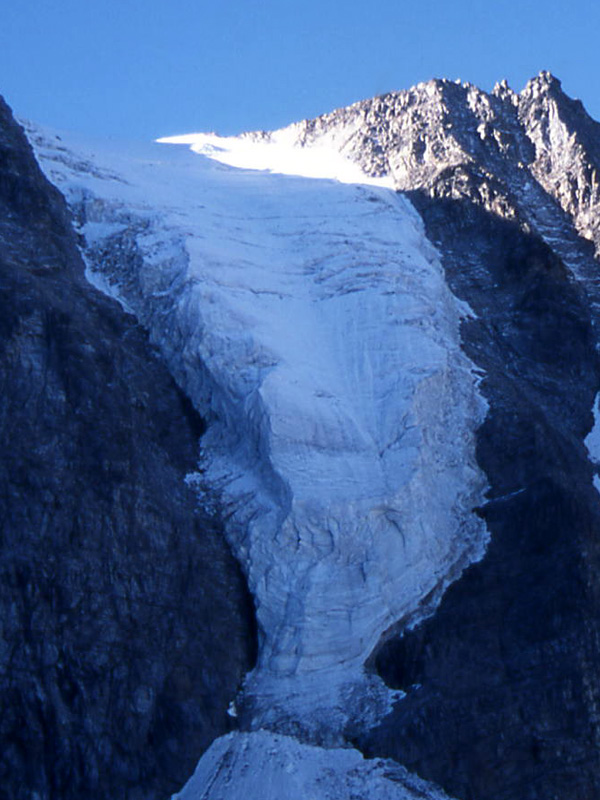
{"type": "Point", "coordinates": [125, 623]}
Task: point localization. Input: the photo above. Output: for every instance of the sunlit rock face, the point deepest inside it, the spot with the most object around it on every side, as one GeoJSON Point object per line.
{"type": "Point", "coordinates": [125, 623]}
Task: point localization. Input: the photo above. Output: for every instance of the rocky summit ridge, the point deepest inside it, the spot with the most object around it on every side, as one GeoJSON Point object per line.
{"type": "Point", "coordinates": [455, 140]}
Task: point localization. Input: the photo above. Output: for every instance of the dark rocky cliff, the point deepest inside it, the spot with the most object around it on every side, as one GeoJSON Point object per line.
{"type": "Point", "coordinates": [125, 623]}
{"type": "Point", "coordinates": [500, 682]}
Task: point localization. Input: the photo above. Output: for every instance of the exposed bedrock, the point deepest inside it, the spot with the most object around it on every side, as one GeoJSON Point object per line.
{"type": "Point", "coordinates": [125, 625]}
{"type": "Point", "coordinates": [501, 683]}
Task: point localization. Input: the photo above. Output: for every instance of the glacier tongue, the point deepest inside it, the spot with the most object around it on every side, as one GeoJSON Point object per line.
{"type": "Point", "coordinates": [310, 323]}
{"type": "Point", "coordinates": [275, 767]}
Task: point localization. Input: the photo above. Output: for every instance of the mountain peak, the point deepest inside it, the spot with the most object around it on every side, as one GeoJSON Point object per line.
{"type": "Point", "coordinates": [543, 83]}
{"type": "Point", "coordinates": [503, 91]}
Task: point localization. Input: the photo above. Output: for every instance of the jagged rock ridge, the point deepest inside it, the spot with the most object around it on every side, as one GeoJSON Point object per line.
{"type": "Point", "coordinates": [525, 157]}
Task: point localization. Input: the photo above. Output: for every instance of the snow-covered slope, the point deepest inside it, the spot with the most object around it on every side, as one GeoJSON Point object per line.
{"type": "Point", "coordinates": [310, 323]}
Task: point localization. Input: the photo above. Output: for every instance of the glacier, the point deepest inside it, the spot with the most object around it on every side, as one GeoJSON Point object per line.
{"type": "Point", "coordinates": [308, 319]}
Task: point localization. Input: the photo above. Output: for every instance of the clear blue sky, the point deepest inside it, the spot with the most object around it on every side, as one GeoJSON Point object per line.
{"type": "Point", "coordinates": [143, 68]}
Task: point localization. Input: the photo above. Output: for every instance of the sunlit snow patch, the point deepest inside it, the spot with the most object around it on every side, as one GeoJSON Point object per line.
{"type": "Point", "coordinates": [278, 152]}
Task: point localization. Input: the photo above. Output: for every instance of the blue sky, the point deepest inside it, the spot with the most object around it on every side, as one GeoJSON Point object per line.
{"type": "Point", "coordinates": [142, 68]}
